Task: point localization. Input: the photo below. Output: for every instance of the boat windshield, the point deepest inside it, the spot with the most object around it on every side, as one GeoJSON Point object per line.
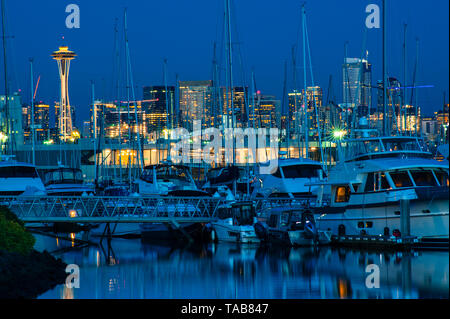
{"type": "Point", "coordinates": [64, 175]}
{"type": "Point", "coordinates": [164, 173]}
{"type": "Point", "coordinates": [244, 214]}
{"type": "Point", "coordinates": [301, 171]}
{"type": "Point", "coordinates": [18, 171]}
{"type": "Point", "coordinates": [361, 148]}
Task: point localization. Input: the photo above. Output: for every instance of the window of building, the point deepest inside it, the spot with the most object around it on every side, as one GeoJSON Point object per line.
{"type": "Point", "coordinates": [342, 194]}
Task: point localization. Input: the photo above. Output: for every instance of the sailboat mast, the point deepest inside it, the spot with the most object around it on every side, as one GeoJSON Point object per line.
{"type": "Point", "coordinates": [169, 115]}
{"type": "Point", "coordinates": [5, 64]}
{"type": "Point", "coordinates": [230, 70]}
{"type": "Point", "coordinates": [305, 100]}
{"type": "Point", "coordinates": [385, 80]}
{"type": "Point", "coordinates": [33, 130]}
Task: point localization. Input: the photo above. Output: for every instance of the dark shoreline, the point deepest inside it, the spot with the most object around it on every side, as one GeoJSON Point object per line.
{"type": "Point", "coordinates": [28, 276]}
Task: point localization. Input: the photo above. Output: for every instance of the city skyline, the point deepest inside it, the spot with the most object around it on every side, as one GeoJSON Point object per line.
{"type": "Point", "coordinates": [267, 64]}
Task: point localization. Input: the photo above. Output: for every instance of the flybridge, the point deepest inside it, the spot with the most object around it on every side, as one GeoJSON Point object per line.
{"type": "Point", "coordinates": [376, 147]}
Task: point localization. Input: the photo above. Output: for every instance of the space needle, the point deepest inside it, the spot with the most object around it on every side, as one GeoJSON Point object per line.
{"type": "Point", "coordinates": [63, 56]}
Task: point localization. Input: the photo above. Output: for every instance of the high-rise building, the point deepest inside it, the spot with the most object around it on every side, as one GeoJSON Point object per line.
{"type": "Point", "coordinates": [240, 98]}
{"type": "Point", "coordinates": [196, 103]}
{"type": "Point", "coordinates": [112, 122]}
{"type": "Point", "coordinates": [41, 121]}
{"type": "Point", "coordinates": [267, 112]}
{"type": "Point", "coordinates": [11, 125]}
{"type": "Point", "coordinates": [357, 79]}
{"type": "Point", "coordinates": [314, 97]}
{"type": "Point", "coordinates": [63, 56]}
{"type": "Point", "coordinates": [155, 107]}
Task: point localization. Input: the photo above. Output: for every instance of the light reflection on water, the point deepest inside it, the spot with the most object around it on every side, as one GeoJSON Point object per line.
{"type": "Point", "coordinates": [132, 269]}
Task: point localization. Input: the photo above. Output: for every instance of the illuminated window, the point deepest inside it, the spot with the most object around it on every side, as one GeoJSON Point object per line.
{"type": "Point", "coordinates": [342, 194]}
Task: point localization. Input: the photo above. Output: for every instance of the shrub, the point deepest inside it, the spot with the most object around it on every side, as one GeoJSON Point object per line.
{"type": "Point", "coordinates": [13, 235]}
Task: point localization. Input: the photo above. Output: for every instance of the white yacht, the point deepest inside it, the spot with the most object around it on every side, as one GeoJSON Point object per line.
{"type": "Point", "coordinates": [373, 175]}
{"type": "Point", "coordinates": [64, 181]}
{"type": "Point", "coordinates": [18, 178]}
{"type": "Point", "coordinates": [292, 178]}
{"type": "Point", "coordinates": [167, 179]}
{"type": "Point", "coordinates": [236, 224]}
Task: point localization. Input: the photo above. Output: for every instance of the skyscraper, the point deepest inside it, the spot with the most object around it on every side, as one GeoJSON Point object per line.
{"type": "Point", "coordinates": [357, 78]}
{"type": "Point", "coordinates": [195, 103]}
{"type": "Point", "coordinates": [63, 57]}
{"type": "Point", "coordinates": [155, 107]}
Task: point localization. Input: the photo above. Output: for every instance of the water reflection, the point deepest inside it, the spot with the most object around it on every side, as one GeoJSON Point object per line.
{"type": "Point", "coordinates": [123, 268]}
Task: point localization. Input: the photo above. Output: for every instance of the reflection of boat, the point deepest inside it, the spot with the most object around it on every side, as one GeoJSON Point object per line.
{"type": "Point", "coordinates": [235, 223]}
{"type": "Point", "coordinates": [18, 178]}
{"type": "Point", "coordinates": [292, 227]}
{"type": "Point", "coordinates": [65, 181]}
{"type": "Point", "coordinates": [291, 179]}
{"type": "Point", "coordinates": [167, 179]}
{"type": "Point", "coordinates": [374, 174]}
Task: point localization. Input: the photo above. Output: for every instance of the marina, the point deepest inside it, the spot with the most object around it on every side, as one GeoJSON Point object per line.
{"type": "Point", "coordinates": [205, 187]}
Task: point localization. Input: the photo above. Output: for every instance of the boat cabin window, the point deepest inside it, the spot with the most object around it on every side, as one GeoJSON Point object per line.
{"type": "Point", "coordinates": [401, 179]}
{"type": "Point", "coordinates": [401, 145]}
{"type": "Point", "coordinates": [424, 178]}
{"type": "Point", "coordinates": [244, 214]}
{"type": "Point", "coordinates": [376, 182]}
{"type": "Point", "coordinates": [342, 194]}
{"type": "Point", "coordinates": [301, 171]}
{"type": "Point", "coordinates": [442, 177]}
{"type": "Point", "coordinates": [18, 171]}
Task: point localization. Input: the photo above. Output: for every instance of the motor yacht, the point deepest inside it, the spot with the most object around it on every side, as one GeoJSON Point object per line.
{"type": "Point", "coordinates": [167, 179]}
{"type": "Point", "coordinates": [292, 227]}
{"type": "Point", "coordinates": [293, 178]}
{"type": "Point", "coordinates": [64, 181]}
{"type": "Point", "coordinates": [17, 178]}
{"type": "Point", "coordinates": [236, 223]}
{"type": "Point", "coordinates": [364, 189]}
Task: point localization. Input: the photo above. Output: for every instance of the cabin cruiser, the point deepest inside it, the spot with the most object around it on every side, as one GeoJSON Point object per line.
{"type": "Point", "coordinates": [230, 176]}
{"type": "Point", "coordinates": [292, 178]}
{"type": "Point", "coordinates": [167, 179]}
{"type": "Point", "coordinates": [365, 188]}
{"type": "Point", "coordinates": [236, 223]}
{"type": "Point", "coordinates": [18, 178]}
{"type": "Point", "coordinates": [64, 181]}
{"type": "Point", "coordinates": [292, 227]}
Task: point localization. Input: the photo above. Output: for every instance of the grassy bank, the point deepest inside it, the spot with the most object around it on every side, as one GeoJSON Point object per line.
{"type": "Point", "coordinates": [24, 272]}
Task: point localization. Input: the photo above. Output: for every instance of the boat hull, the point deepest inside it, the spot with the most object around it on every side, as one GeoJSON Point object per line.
{"type": "Point", "coordinates": [428, 219]}
{"type": "Point", "coordinates": [235, 234]}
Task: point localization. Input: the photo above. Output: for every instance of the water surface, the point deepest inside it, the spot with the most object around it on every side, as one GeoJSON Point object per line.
{"type": "Point", "coordinates": [129, 268]}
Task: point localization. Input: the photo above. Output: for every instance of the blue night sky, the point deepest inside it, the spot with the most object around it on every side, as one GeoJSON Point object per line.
{"type": "Point", "coordinates": [184, 32]}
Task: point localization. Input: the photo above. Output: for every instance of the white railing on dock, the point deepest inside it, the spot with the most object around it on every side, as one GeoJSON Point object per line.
{"type": "Point", "coordinates": [92, 209]}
